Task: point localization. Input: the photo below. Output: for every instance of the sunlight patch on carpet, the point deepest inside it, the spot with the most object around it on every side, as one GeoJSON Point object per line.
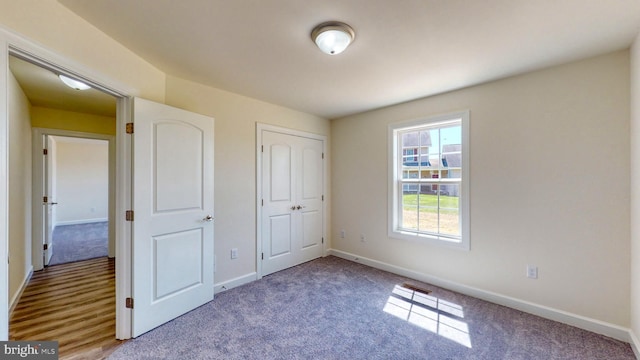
{"type": "Point", "coordinates": [441, 317]}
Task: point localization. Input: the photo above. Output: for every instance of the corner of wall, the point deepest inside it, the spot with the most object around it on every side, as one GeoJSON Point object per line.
{"type": "Point", "coordinates": [635, 194]}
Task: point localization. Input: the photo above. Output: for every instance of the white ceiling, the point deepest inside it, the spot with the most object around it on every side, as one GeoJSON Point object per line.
{"type": "Point", "coordinates": [404, 49]}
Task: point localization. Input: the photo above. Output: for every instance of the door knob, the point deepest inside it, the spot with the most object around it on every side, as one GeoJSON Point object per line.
{"type": "Point", "coordinates": [298, 207]}
{"type": "Point", "coordinates": [208, 218]}
{"type": "Point", "coordinates": [293, 208]}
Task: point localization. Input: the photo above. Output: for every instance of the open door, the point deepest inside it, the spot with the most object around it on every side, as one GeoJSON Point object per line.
{"type": "Point", "coordinates": [173, 213]}
{"type": "Point", "coordinates": [48, 202]}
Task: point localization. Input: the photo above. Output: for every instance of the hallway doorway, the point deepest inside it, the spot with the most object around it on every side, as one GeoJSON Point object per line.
{"type": "Point", "coordinates": [73, 303]}
{"type": "Point", "coordinates": [76, 178]}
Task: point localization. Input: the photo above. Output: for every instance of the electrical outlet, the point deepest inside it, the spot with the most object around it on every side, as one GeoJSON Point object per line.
{"type": "Point", "coordinates": [532, 271]}
{"type": "Point", "coordinates": [343, 234]}
{"type": "Point", "coordinates": [234, 253]}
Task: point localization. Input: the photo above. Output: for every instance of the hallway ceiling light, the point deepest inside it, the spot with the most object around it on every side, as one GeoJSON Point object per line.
{"type": "Point", "coordinates": [74, 84]}
{"type": "Point", "coordinates": [333, 37]}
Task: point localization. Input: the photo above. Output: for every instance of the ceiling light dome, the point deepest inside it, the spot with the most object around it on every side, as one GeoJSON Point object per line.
{"type": "Point", "coordinates": [333, 37]}
{"type": "Point", "coordinates": [73, 83]}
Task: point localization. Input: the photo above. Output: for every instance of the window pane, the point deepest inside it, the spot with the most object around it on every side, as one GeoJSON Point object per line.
{"type": "Point", "coordinates": [451, 152]}
{"type": "Point", "coordinates": [430, 154]}
{"type": "Point", "coordinates": [449, 202]}
{"type": "Point", "coordinates": [410, 149]}
{"type": "Point", "coordinates": [409, 218]}
{"type": "Point", "coordinates": [428, 214]}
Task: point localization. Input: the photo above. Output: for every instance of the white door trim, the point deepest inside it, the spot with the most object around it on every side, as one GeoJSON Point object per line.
{"type": "Point", "coordinates": [37, 163]}
{"type": "Point", "coordinates": [18, 45]}
{"type": "Point", "coordinates": [260, 127]}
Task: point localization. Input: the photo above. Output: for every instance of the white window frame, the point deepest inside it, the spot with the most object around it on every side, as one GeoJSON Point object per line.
{"type": "Point", "coordinates": [395, 173]}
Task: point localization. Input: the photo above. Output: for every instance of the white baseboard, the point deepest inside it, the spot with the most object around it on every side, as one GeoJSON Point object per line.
{"type": "Point", "coordinates": [582, 322]}
{"type": "Point", "coordinates": [77, 222]}
{"type": "Point", "coordinates": [16, 297]}
{"type": "Point", "coordinates": [230, 284]}
{"type": "Point", "coordinates": [635, 343]}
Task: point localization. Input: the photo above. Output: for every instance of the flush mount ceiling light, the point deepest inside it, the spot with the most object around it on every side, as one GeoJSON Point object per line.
{"type": "Point", "coordinates": [333, 37]}
{"type": "Point", "coordinates": [74, 84]}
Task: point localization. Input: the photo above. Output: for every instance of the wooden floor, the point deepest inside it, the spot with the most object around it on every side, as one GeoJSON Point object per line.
{"type": "Point", "coordinates": [73, 304]}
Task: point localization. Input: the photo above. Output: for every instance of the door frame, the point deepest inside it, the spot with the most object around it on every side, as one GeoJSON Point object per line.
{"type": "Point", "coordinates": [37, 162]}
{"type": "Point", "coordinates": [12, 43]}
{"type": "Point", "coordinates": [260, 127]}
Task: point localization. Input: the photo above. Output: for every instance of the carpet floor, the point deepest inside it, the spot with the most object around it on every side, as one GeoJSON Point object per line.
{"type": "Point", "coordinates": [79, 242]}
{"type": "Point", "coordinates": [332, 308]}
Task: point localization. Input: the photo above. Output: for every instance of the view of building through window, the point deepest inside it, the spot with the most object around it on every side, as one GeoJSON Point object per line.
{"type": "Point", "coordinates": [430, 178]}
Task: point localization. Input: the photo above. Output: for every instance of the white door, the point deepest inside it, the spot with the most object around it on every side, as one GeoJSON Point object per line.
{"type": "Point", "coordinates": [48, 202]}
{"type": "Point", "coordinates": [292, 190]}
{"type": "Point", "coordinates": [173, 213]}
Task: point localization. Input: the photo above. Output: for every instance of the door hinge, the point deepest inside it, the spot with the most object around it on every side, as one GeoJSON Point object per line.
{"type": "Point", "coordinates": [262, 201]}
{"type": "Point", "coordinates": [45, 199]}
{"type": "Point", "coordinates": [129, 128]}
{"type": "Point", "coordinates": [261, 148]}
{"type": "Point", "coordinates": [322, 197]}
{"type": "Point", "coordinates": [129, 215]}
{"type": "Point", "coordinates": [323, 240]}
{"type": "Point", "coordinates": [323, 155]}
{"type": "Point", "coordinates": [45, 151]}
{"type": "Point", "coordinates": [129, 303]}
{"type": "Point", "coordinates": [45, 247]}
{"type": "Point", "coordinates": [262, 256]}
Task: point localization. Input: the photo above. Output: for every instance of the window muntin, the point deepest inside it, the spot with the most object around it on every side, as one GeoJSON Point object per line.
{"type": "Point", "coordinates": [429, 183]}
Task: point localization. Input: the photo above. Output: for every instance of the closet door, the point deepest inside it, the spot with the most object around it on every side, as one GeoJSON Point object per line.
{"type": "Point", "coordinates": [292, 211]}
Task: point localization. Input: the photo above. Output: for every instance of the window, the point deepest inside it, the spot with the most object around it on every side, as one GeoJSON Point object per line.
{"type": "Point", "coordinates": [429, 180]}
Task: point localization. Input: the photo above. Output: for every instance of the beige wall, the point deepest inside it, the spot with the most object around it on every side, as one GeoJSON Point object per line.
{"type": "Point", "coordinates": [541, 144]}
{"type": "Point", "coordinates": [82, 180]}
{"type": "Point", "coordinates": [73, 121]}
{"type": "Point", "coordinates": [635, 192]}
{"type": "Point", "coordinates": [235, 164]}
{"type": "Point", "coordinates": [60, 30]}
{"type": "Point", "coordinates": [549, 186]}
{"type": "Point", "coordinates": [19, 188]}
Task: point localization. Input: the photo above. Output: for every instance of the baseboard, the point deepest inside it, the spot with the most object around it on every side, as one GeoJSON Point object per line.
{"type": "Point", "coordinates": [635, 343]}
{"type": "Point", "coordinates": [230, 284]}
{"type": "Point", "coordinates": [582, 322]}
{"type": "Point", "coordinates": [16, 297]}
{"type": "Point", "coordinates": [77, 222]}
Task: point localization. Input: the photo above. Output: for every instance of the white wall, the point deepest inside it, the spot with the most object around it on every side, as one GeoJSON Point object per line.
{"type": "Point", "coordinates": [549, 186]}
{"type": "Point", "coordinates": [19, 188]}
{"type": "Point", "coordinates": [235, 164]}
{"type": "Point", "coordinates": [635, 193]}
{"type": "Point", "coordinates": [82, 182]}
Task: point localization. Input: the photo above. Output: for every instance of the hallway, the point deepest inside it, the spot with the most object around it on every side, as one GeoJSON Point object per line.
{"type": "Point", "coordinates": [73, 304]}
